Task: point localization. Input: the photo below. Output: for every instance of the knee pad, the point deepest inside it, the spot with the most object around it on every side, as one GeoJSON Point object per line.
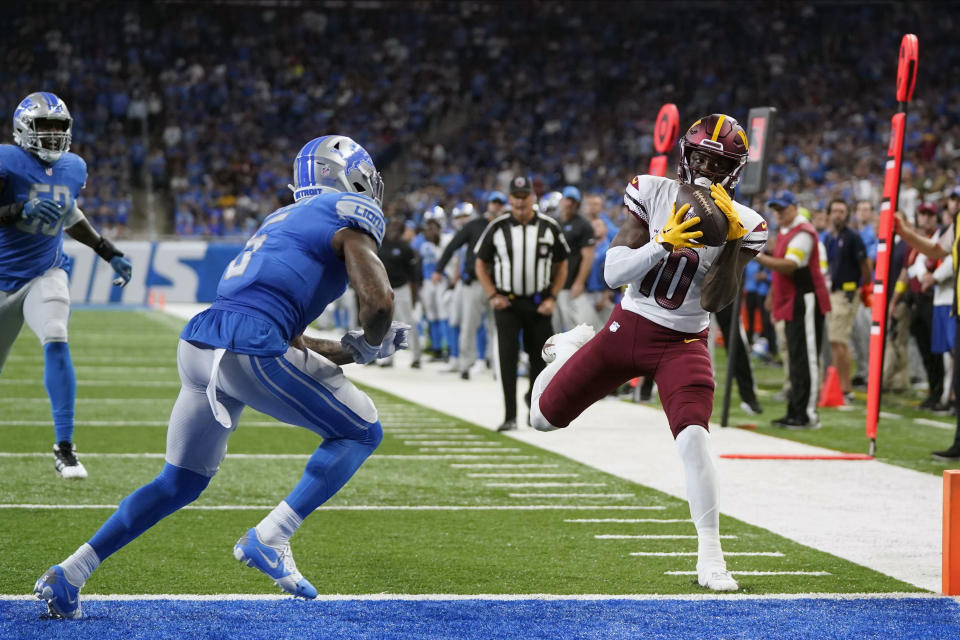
{"type": "Point", "coordinates": [54, 330]}
{"type": "Point", "coordinates": [181, 484]}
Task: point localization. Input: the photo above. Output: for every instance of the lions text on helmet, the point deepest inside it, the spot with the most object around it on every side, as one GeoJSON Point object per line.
{"type": "Point", "coordinates": [43, 126]}
{"type": "Point", "coordinates": [335, 163]}
{"type": "Point", "coordinates": [713, 150]}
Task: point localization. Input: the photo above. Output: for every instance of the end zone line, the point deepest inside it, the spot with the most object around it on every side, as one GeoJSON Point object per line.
{"type": "Point", "coordinates": [627, 520]}
{"type": "Point", "coordinates": [894, 595]}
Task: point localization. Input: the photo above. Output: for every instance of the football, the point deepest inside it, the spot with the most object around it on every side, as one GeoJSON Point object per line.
{"type": "Point", "coordinates": [712, 223]}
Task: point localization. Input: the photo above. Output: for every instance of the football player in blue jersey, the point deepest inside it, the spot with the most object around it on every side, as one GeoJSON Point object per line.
{"type": "Point", "coordinates": [248, 348]}
{"type": "Point", "coordinates": [39, 183]}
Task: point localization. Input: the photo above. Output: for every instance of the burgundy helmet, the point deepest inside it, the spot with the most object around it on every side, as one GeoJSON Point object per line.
{"type": "Point", "coordinates": [715, 148]}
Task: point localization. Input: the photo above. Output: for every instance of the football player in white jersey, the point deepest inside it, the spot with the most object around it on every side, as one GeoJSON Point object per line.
{"type": "Point", "coordinates": [660, 327]}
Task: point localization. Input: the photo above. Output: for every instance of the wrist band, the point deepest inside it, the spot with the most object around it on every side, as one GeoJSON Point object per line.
{"type": "Point", "coordinates": [106, 250]}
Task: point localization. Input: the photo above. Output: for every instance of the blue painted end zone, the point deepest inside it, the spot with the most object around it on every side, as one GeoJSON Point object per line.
{"type": "Point", "coordinates": [903, 619]}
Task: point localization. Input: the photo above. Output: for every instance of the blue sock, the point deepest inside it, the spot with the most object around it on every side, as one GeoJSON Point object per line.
{"type": "Point", "coordinates": [61, 383]}
{"type": "Point", "coordinates": [435, 335]}
{"type": "Point", "coordinates": [453, 336]}
{"type": "Point", "coordinates": [482, 342]}
{"type": "Point", "coordinates": [172, 489]}
{"type": "Point", "coordinates": [331, 465]}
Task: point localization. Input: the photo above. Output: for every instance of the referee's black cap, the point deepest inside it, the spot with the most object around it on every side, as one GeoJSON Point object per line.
{"type": "Point", "coordinates": [521, 186]}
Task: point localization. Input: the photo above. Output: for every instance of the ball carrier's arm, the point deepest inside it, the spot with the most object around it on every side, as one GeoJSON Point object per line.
{"type": "Point", "coordinates": [906, 81]}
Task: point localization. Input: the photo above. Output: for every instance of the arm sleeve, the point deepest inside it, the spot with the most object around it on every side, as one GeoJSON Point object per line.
{"type": "Point", "coordinates": [634, 202]}
{"type": "Point", "coordinates": [561, 248]}
{"type": "Point", "coordinates": [484, 248]}
{"type": "Point", "coordinates": [625, 265]}
{"type": "Point", "coordinates": [945, 271]}
{"type": "Point", "coordinates": [73, 216]}
{"type": "Point", "coordinates": [799, 249]}
{"type": "Point", "coordinates": [460, 238]}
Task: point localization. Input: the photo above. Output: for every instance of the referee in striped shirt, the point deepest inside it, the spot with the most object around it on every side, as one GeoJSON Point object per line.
{"type": "Point", "coordinates": [521, 265]}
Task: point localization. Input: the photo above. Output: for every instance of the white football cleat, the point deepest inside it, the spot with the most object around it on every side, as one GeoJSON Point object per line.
{"type": "Point", "coordinates": [717, 579]}
{"type": "Point", "coordinates": [65, 461]}
{"type": "Point", "coordinates": [567, 342]}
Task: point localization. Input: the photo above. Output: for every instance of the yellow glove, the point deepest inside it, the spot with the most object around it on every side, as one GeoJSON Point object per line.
{"type": "Point", "coordinates": [675, 231]}
{"type": "Point", "coordinates": [735, 228]}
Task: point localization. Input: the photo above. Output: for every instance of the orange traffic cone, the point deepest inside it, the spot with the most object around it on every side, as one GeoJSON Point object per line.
{"type": "Point", "coordinates": [831, 395]}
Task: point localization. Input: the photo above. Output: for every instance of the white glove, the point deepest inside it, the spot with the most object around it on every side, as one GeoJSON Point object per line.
{"type": "Point", "coordinates": [358, 347]}
{"type": "Point", "coordinates": [395, 339]}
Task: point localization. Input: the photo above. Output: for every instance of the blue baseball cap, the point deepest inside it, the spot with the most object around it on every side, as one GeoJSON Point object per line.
{"type": "Point", "coordinates": [571, 192]}
{"type": "Point", "coordinates": [782, 199]}
{"type": "Point", "coordinates": [497, 196]}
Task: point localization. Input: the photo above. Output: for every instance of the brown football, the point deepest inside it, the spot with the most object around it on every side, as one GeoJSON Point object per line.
{"type": "Point", "coordinates": [712, 223]}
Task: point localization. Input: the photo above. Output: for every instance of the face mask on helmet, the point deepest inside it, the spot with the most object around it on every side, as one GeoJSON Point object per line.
{"type": "Point", "coordinates": [42, 125]}
{"type": "Point", "coordinates": [714, 150]}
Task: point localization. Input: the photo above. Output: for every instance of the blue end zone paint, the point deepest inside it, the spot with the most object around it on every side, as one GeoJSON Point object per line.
{"type": "Point", "coordinates": [900, 618]}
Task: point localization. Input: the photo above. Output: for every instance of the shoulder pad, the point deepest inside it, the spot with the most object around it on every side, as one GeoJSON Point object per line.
{"type": "Point", "coordinates": [363, 213]}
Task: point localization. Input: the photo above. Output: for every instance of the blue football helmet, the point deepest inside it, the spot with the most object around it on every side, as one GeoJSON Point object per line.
{"type": "Point", "coordinates": [42, 125]}
{"type": "Point", "coordinates": [335, 163]}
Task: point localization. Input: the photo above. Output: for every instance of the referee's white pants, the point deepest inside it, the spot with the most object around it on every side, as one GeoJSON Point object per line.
{"type": "Point", "coordinates": [44, 303]}
{"type": "Point", "coordinates": [300, 387]}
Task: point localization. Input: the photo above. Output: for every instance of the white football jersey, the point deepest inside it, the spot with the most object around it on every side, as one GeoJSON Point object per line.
{"type": "Point", "coordinates": [670, 292]}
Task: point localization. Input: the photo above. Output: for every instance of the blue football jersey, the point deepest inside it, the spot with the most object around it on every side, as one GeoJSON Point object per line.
{"type": "Point", "coordinates": [27, 250]}
{"type": "Point", "coordinates": [285, 276]}
{"type": "Point", "coordinates": [429, 256]}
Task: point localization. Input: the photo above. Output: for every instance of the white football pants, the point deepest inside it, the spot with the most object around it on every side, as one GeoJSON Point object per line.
{"type": "Point", "coordinates": [44, 303]}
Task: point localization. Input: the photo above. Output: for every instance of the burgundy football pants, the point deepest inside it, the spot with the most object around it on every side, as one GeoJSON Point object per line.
{"type": "Point", "coordinates": [628, 346]}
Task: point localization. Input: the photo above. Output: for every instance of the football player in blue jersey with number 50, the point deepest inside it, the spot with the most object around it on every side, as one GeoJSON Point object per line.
{"type": "Point", "coordinates": [248, 348]}
{"type": "Point", "coordinates": [39, 183]}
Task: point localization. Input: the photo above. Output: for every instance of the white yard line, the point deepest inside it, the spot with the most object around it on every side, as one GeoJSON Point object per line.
{"type": "Point", "coordinates": [506, 466]}
{"type": "Point", "coordinates": [522, 475]}
{"type": "Point", "coordinates": [543, 485]}
{"type": "Point", "coordinates": [628, 520]}
{"type": "Point", "coordinates": [755, 573]}
{"type": "Point", "coordinates": [939, 424]}
{"type": "Point", "coordinates": [617, 496]}
{"type": "Point", "coordinates": [466, 449]}
{"type": "Point", "coordinates": [455, 443]}
{"type": "Point", "coordinates": [671, 554]}
{"type": "Point", "coordinates": [668, 536]}
{"type": "Point", "coordinates": [120, 384]}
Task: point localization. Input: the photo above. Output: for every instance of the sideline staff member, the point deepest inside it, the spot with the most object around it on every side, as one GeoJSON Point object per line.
{"type": "Point", "coordinates": [800, 298]}
{"type": "Point", "coordinates": [521, 265]}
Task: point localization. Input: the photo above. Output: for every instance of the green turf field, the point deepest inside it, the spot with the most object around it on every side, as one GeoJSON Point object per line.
{"type": "Point", "coordinates": [901, 440]}
{"type": "Point", "coordinates": [442, 507]}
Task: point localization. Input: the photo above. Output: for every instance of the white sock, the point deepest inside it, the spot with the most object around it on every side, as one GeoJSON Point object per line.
{"type": "Point", "coordinates": [693, 445]}
{"type": "Point", "coordinates": [78, 567]}
{"type": "Point", "coordinates": [540, 385]}
{"type": "Point", "coordinates": [275, 530]}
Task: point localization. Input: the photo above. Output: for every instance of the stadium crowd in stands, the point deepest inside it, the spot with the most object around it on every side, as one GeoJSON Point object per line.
{"type": "Point", "coordinates": [459, 96]}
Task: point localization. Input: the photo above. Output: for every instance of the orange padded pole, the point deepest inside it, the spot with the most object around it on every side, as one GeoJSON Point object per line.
{"type": "Point", "coordinates": [951, 533]}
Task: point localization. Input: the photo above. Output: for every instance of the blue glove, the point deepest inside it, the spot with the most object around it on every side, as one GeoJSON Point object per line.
{"type": "Point", "coordinates": [46, 211]}
{"type": "Point", "coordinates": [123, 268]}
{"type": "Point", "coordinates": [358, 347]}
{"type": "Point", "coordinates": [395, 339]}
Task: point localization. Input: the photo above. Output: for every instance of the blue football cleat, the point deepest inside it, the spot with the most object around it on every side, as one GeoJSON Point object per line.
{"type": "Point", "coordinates": [63, 599]}
{"type": "Point", "coordinates": [276, 563]}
